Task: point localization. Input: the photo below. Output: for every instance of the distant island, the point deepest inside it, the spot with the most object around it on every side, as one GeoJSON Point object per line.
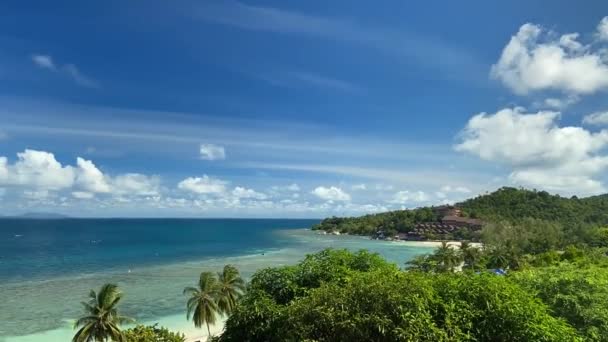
{"type": "Point", "coordinates": [39, 216]}
{"type": "Point", "coordinates": [465, 220]}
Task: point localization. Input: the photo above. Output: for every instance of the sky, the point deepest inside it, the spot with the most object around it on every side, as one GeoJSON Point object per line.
{"type": "Point", "coordinates": [297, 109]}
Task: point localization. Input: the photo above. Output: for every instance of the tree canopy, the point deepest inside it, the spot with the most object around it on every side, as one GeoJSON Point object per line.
{"type": "Point", "coordinates": [101, 320]}
{"type": "Point", "coordinates": [336, 295]}
{"type": "Point", "coordinates": [142, 333]}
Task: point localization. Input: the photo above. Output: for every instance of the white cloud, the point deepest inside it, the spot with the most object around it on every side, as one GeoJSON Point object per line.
{"type": "Point", "coordinates": [203, 185]}
{"type": "Point", "coordinates": [331, 194]}
{"type": "Point", "coordinates": [317, 80]}
{"type": "Point", "coordinates": [44, 61]}
{"type": "Point", "coordinates": [540, 153]}
{"type": "Point", "coordinates": [240, 192]}
{"type": "Point", "coordinates": [597, 118]}
{"type": "Point", "coordinates": [135, 184]}
{"type": "Point", "coordinates": [533, 60]}
{"type": "Point", "coordinates": [359, 187]}
{"type": "Point", "coordinates": [556, 103]}
{"type": "Point", "coordinates": [602, 29]}
{"type": "Point", "coordinates": [82, 195]}
{"type": "Point", "coordinates": [440, 195]}
{"type": "Point", "coordinates": [3, 170]}
{"type": "Point", "coordinates": [38, 172]}
{"type": "Point", "coordinates": [459, 189]}
{"type": "Point", "coordinates": [420, 49]}
{"type": "Point", "coordinates": [70, 70]}
{"type": "Point", "coordinates": [384, 187]}
{"type": "Point", "coordinates": [293, 187]}
{"type": "Point", "coordinates": [36, 194]}
{"type": "Point", "coordinates": [405, 196]}
{"type": "Point", "coordinates": [80, 79]}
{"type": "Point", "coordinates": [90, 178]}
{"type": "Point", "coordinates": [36, 169]}
{"type": "Point", "coordinates": [212, 152]}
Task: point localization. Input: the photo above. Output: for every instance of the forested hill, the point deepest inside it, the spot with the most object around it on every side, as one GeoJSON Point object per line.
{"type": "Point", "coordinates": [505, 204]}
{"type": "Point", "coordinates": [513, 204]}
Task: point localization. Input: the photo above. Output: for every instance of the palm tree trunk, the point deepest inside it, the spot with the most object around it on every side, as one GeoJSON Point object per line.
{"type": "Point", "coordinates": [208, 331]}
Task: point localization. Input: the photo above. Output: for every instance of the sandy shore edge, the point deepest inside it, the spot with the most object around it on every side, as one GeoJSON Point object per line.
{"type": "Point", "coordinates": [452, 244]}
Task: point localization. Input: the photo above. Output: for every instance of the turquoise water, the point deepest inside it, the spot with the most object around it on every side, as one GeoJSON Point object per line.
{"type": "Point", "coordinates": [48, 267]}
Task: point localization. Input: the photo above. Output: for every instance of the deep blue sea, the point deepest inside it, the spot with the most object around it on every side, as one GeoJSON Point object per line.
{"type": "Point", "coordinates": [37, 249]}
{"type": "Point", "coordinates": [47, 267]}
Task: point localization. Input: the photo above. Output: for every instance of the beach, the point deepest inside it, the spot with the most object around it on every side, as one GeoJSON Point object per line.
{"type": "Point", "coordinates": [435, 244]}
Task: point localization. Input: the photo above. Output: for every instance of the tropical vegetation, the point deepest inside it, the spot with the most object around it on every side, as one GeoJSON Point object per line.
{"type": "Point", "coordinates": [101, 320]}
{"type": "Point", "coordinates": [142, 333]}
{"type": "Point", "coordinates": [336, 295]}
{"type": "Point", "coordinates": [578, 217]}
{"type": "Point", "coordinates": [214, 295]}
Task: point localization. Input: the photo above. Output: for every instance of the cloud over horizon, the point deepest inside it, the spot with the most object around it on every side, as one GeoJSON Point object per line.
{"type": "Point", "coordinates": [539, 152]}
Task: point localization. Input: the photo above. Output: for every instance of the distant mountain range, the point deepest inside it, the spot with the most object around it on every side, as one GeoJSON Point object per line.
{"type": "Point", "coordinates": [37, 215]}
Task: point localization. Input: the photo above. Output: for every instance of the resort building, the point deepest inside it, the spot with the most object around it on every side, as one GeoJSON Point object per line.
{"type": "Point", "coordinates": [450, 221]}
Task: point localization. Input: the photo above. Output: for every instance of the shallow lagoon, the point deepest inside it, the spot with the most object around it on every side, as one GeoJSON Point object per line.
{"type": "Point", "coordinates": [43, 309]}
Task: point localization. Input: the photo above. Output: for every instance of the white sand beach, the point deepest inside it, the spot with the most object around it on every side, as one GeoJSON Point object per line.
{"type": "Point", "coordinates": [453, 244]}
{"type": "Point", "coordinates": [200, 335]}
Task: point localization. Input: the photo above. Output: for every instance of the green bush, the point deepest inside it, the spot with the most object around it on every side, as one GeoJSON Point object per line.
{"type": "Point", "coordinates": [577, 294]}
{"type": "Point", "coordinates": [340, 296]}
{"type": "Point", "coordinates": [142, 333]}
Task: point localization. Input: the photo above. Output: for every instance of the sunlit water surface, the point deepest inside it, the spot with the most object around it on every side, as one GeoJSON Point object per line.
{"type": "Point", "coordinates": [43, 279]}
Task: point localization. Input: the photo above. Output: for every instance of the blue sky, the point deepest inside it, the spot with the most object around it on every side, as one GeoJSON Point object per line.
{"type": "Point", "coordinates": [296, 109]}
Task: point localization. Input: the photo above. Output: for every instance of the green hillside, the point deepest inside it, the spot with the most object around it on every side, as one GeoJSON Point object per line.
{"type": "Point", "coordinates": [505, 204]}
{"type": "Point", "coordinates": [513, 204]}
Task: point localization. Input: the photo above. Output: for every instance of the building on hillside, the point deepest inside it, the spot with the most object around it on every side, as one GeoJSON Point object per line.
{"type": "Point", "coordinates": [459, 221]}
{"type": "Point", "coordinates": [450, 222]}
{"type": "Point", "coordinates": [447, 210]}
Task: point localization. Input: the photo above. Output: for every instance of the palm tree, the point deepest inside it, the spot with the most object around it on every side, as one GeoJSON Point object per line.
{"type": "Point", "coordinates": [470, 255]}
{"type": "Point", "coordinates": [230, 288]}
{"type": "Point", "coordinates": [101, 321]}
{"type": "Point", "coordinates": [447, 258]}
{"type": "Point", "coordinates": [498, 258]}
{"type": "Point", "coordinates": [202, 305]}
{"type": "Point", "coordinates": [465, 245]}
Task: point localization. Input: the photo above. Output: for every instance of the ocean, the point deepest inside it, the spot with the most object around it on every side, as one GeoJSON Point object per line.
{"type": "Point", "coordinates": [47, 267]}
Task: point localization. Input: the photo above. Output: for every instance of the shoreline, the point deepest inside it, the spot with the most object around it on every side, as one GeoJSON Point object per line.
{"type": "Point", "coordinates": [411, 243]}
{"type": "Point", "coordinates": [169, 279]}
{"type": "Point", "coordinates": [435, 243]}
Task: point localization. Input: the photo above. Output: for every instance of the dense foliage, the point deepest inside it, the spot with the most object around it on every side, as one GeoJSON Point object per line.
{"type": "Point", "coordinates": [214, 295]}
{"type": "Point", "coordinates": [511, 205]}
{"type": "Point", "coordinates": [578, 295]}
{"type": "Point", "coordinates": [336, 295]}
{"type": "Point", "coordinates": [101, 320]}
{"type": "Point", "coordinates": [142, 333]}
{"type": "Point", "coordinates": [391, 222]}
